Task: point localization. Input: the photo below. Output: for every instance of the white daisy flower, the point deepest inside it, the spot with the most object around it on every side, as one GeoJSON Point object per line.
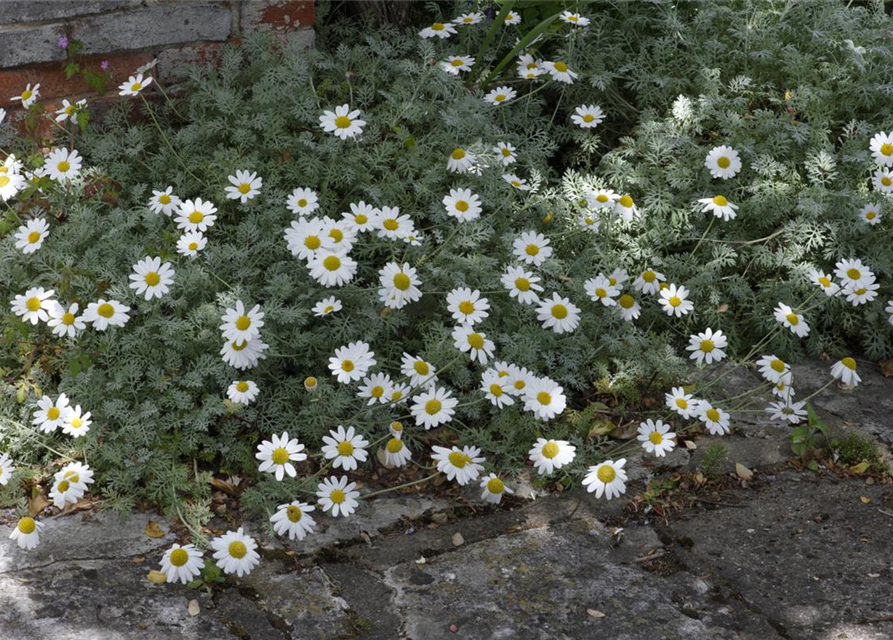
{"type": "Point", "coordinates": [500, 95]}
{"type": "Point", "coordinates": [454, 64]}
{"type": "Point", "coordinates": [338, 496]}
{"type": "Point", "coordinates": [774, 369]}
{"type": "Point", "coordinates": [602, 199]}
{"type": "Point", "coordinates": [783, 390]}
{"type": "Point", "coordinates": [845, 371]}
{"type": "Point", "coordinates": [235, 552]}
{"type": "Point", "coordinates": [870, 214]}
{"type": "Point", "coordinates": [469, 18]}
{"type": "Point", "coordinates": [326, 306]}
{"type": "Point", "coordinates": [29, 95]}
{"type": "Point", "coordinates": [196, 215]}
{"type": "Point", "coordinates": [493, 489]}
{"type": "Point", "coordinates": [361, 216]}
{"type": "Point", "coordinates": [853, 273]}
{"type": "Point", "coordinates": [793, 321]}
{"type": "Point", "coordinates": [505, 151]}
{"type": "Point", "coordinates": [656, 437]}
{"type": "Point", "coordinates": [338, 235]}
{"type": "Point", "coordinates": [549, 455]}
{"type": "Point", "coordinates": [419, 372]}
{"type": "Point", "coordinates": [588, 116]}
{"type": "Point", "coordinates": [244, 354]}
{"type": "Point", "coordinates": [716, 419]}
{"type": "Point", "coordinates": [66, 490]}
{"type": "Point", "coordinates": [399, 285]}
{"type": "Point", "coordinates": [723, 162]}
{"type": "Point", "coordinates": [889, 310]}
{"type": "Point", "coordinates": [883, 180]}
{"type": "Point", "coordinates": [245, 185]}
{"type": "Point", "coordinates": [242, 391]}
{"type": "Point", "coordinates": [351, 362]}
{"type": "Point", "coordinates": [544, 398]}
{"type": "Point", "coordinates": [460, 161]}
{"type": "Point", "coordinates": [438, 29]}
{"type": "Point", "coordinates": [589, 221]}
{"type": "Point", "coordinates": [134, 85]}
{"type": "Point", "coordinates": [628, 307]}
{"type": "Point", "coordinates": [190, 243]}
{"type": "Point", "coordinates": [77, 423]}
{"type": "Point", "coordinates": [346, 448]}
{"type": "Point", "coordinates": [707, 347]}
{"type": "Point", "coordinates": [6, 469]}
{"type": "Point", "coordinates": [151, 278]}
{"type": "Point", "coordinates": [332, 268]}
{"type": "Point", "coordinates": [342, 122]}
{"type": "Point", "coordinates": [521, 284]}
{"type": "Point", "coordinates": [474, 343]}
{"type": "Point", "coordinates": [574, 18]}
{"type": "Point", "coordinates": [601, 290]}
{"type": "Point", "coordinates": [462, 465]}
{"type": "Point", "coordinates": [182, 564]}
{"type": "Point", "coordinates": [305, 237]}
{"type": "Point", "coordinates": [302, 202]}
{"type": "Point", "coordinates": [27, 532]}
{"type": "Point", "coordinates": [682, 403]}
{"type": "Point", "coordinates": [105, 313]}
{"type": "Point", "coordinates": [532, 248]}
{"type": "Point", "coordinates": [62, 164]}
{"type": "Point", "coordinates": [881, 147]}
{"type": "Point", "coordinates": [10, 184]}
{"type": "Point", "coordinates": [377, 388]}
{"type": "Point", "coordinates": [34, 306]}
{"type": "Point", "coordinates": [393, 226]}
{"type": "Point", "coordinates": [294, 519]}
{"type": "Point", "coordinates": [467, 306]}
{"type": "Point", "coordinates": [30, 236]}
{"type": "Point", "coordinates": [559, 71]}
{"type": "Point", "coordinates": [164, 202]}
{"type": "Point", "coordinates": [277, 455]}
{"type": "Point", "coordinates": [861, 294]}
{"type": "Point", "coordinates": [648, 281]}
{"type": "Point", "coordinates": [607, 478]}
{"type": "Point", "coordinates": [558, 314]}
{"type": "Point", "coordinates": [626, 208]}
{"type": "Point", "coordinates": [720, 207]}
{"type": "Point", "coordinates": [398, 393]}
{"type": "Point", "coordinates": [495, 388]}
{"type": "Point", "coordinates": [396, 453]}
{"type": "Point", "coordinates": [674, 301]}
{"type": "Point", "coordinates": [512, 18]}
{"type": "Point", "coordinates": [519, 378]}
{"type": "Point", "coordinates": [463, 205]}
{"type": "Point", "coordinates": [787, 411]}
{"type": "Point", "coordinates": [518, 183]}
{"type": "Point", "coordinates": [824, 281]}
{"type": "Point", "coordinates": [433, 407]}
{"type": "Point", "coordinates": [50, 415]}
{"type": "Point", "coordinates": [240, 325]}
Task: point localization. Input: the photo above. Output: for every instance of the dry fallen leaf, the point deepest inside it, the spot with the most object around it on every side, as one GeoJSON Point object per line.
{"type": "Point", "coordinates": [138, 559]}
{"type": "Point", "coordinates": [153, 530]}
{"type": "Point", "coordinates": [382, 458]}
{"type": "Point", "coordinates": [690, 445]}
{"type": "Point", "coordinates": [860, 468]}
{"type": "Point", "coordinates": [743, 472]}
{"type": "Point", "coordinates": [223, 485]}
{"type": "Point", "coordinates": [38, 503]}
{"type": "Point", "coordinates": [192, 608]}
{"type": "Point", "coordinates": [887, 368]}
{"type": "Point", "coordinates": [595, 613]}
{"type": "Point", "coordinates": [865, 499]}
{"type": "Point", "coordinates": [157, 577]}
{"type": "Point", "coordinates": [458, 540]}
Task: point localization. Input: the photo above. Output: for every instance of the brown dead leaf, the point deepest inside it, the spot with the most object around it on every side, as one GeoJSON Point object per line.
{"type": "Point", "coordinates": [689, 444]}
{"type": "Point", "coordinates": [382, 458]}
{"type": "Point", "coordinates": [157, 577]}
{"type": "Point", "coordinates": [722, 308]}
{"type": "Point", "coordinates": [138, 559]}
{"type": "Point", "coordinates": [887, 368]}
{"type": "Point", "coordinates": [37, 503]}
{"type": "Point", "coordinates": [625, 431]}
{"type": "Point", "coordinates": [153, 530]}
{"type": "Point", "coordinates": [743, 472]}
{"type": "Point", "coordinates": [223, 485]}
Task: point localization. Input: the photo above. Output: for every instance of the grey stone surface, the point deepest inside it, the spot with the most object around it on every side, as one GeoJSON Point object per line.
{"type": "Point", "coordinates": [154, 26]}
{"type": "Point", "coordinates": [17, 11]}
{"type": "Point", "coordinates": [30, 43]}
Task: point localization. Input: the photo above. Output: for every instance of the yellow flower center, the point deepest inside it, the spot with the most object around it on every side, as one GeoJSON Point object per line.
{"type": "Point", "coordinates": [516, 183]}
{"type": "Point", "coordinates": [458, 154]}
{"type": "Point", "coordinates": [68, 318]}
{"type": "Point", "coordinates": [854, 274]}
{"type": "Point", "coordinates": [244, 187]}
{"type": "Point", "coordinates": [606, 473]}
{"type": "Point", "coordinates": [550, 449]}
{"type": "Point", "coordinates": [682, 403]}
{"type": "Point", "coordinates": [76, 423]}
{"type": "Point", "coordinates": [461, 205]}
{"type": "Point", "coordinates": [302, 202]}
{"type": "Point", "coordinates": [499, 97]}
{"type": "Point", "coordinates": [720, 201]}
{"type": "Point", "coordinates": [519, 384]}
{"type": "Point", "coordinates": [707, 346]}
{"type": "Point", "coordinates": [152, 278]}
{"type": "Point", "coordinates": [280, 455]}
{"type": "Point", "coordinates": [136, 86]}
{"type": "Point", "coordinates": [105, 310]}
{"type": "Point", "coordinates": [243, 322]}
{"type": "Point", "coordinates": [26, 95]}
{"type": "Point", "coordinates": [886, 181]}
{"type": "Point", "coordinates": [777, 365]}
{"type": "Point", "coordinates": [588, 117]}
{"type": "Point", "coordinates": [626, 301]}
{"type": "Point", "coordinates": [559, 311]}
{"type": "Point", "coordinates": [342, 122]}
{"type": "Point", "coordinates": [506, 152]}
{"type": "Point", "coordinates": [433, 406]}
{"type": "Point", "coordinates": [457, 62]}
{"type": "Point", "coordinates": [196, 217]}
{"type": "Point", "coordinates": [532, 250]}
{"type": "Point", "coordinates": [33, 304]}
{"type": "Point", "coordinates": [723, 162]}
{"type": "Point", "coordinates": [602, 198]}
{"type": "Point", "coordinates": [402, 281]}
{"type": "Point", "coordinates": [522, 284]}
{"type": "Point", "coordinates": [887, 149]}
{"type": "Point", "coordinates": [793, 319]}
{"type": "Point", "coordinates": [544, 398]}
{"type": "Point", "coordinates": [861, 292]}
{"type": "Point", "coordinates": [849, 363]}
{"type": "Point", "coordinates": [459, 459]}
{"type": "Point", "coordinates": [825, 282]}
{"type": "Point", "coordinates": [560, 67]}
{"type": "Point", "coordinates": [345, 448]}
{"type": "Point", "coordinates": [193, 246]}
{"type": "Point", "coordinates": [27, 525]}
{"type": "Point", "coordinates": [495, 485]}
{"type": "Point", "coordinates": [332, 263]}
{"type": "Point", "coordinates": [675, 301]}
{"type": "Point", "coordinates": [64, 485]}
{"type": "Point", "coordinates": [649, 276]}
{"type": "Point", "coordinates": [377, 392]}
{"type": "Point", "coordinates": [347, 365]}
{"type": "Point", "coordinates": [337, 235]}
{"type": "Point", "coordinates": [496, 390]}
{"type": "Point", "coordinates": [312, 242]}
{"type": "Point", "coordinates": [310, 382]}
{"type": "Point", "coordinates": [179, 557]}
{"type": "Point", "coordinates": [421, 367]}
{"type": "Point", "coordinates": [476, 341]}
{"type": "Point", "coordinates": [238, 346]}
{"type": "Point", "coordinates": [294, 513]}
{"type": "Point", "coordinates": [713, 415]}
{"type": "Point", "coordinates": [34, 236]}
{"type": "Point", "coordinates": [360, 219]}
{"type": "Point", "coordinates": [655, 437]}
{"type": "Point", "coordinates": [466, 307]}
{"type": "Point", "coordinates": [242, 386]}
{"type": "Point", "coordinates": [64, 166]}
{"type": "Point", "coordinates": [871, 215]}
{"type": "Point", "coordinates": [238, 549]}
{"type": "Point", "coordinates": [53, 413]}
{"type": "Point", "coordinates": [394, 445]}
{"type": "Point", "coordinates": [390, 224]}
{"type": "Point", "coordinates": [4, 180]}
{"type": "Point", "coordinates": [437, 26]}
{"type": "Point", "coordinates": [337, 496]}
{"type": "Point", "coordinates": [600, 293]}
{"type": "Point", "coordinates": [164, 199]}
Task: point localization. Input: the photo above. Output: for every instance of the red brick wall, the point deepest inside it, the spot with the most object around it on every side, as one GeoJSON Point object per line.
{"type": "Point", "coordinates": [128, 34]}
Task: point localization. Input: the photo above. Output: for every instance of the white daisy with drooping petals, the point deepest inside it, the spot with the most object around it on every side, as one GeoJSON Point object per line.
{"type": "Point", "coordinates": [277, 455]}
{"type": "Point", "coordinates": [6, 469]}
{"type": "Point", "coordinates": [628, 307]}
{"type": "Point", "coordinates": [30, 236]}
{"type": "Point", "coordinates": [518, 183]}
{"type": "Point", "coordinates": [342, 122]}
{"type": "Point", "coordinates": [495, 388]}
{"type": "Point", "coordinates": [649, 281]}
{"type": "Point", "coordinates": [164, 202]}
{"type": "Point", "coordinates": [824, 281]}
{"type": "Point", "coordinates": [352, 362]}
{"type": "Point", "coordinates": [467, 19]}
{"type": "Point", "coordinates": [787, 411]}
{"type": "Point", "coordinates": [845, 371]}
{"type": "Point", "coordinates": [34, 306]}
{"type": "Point", "coordinates": [656, 437]}
{"type": "Point", "coordinates": [10, 183]}
{"type": "Point", "coordinates": [396, 453]}
{"type": "Point", "coordinates": [861, 294]}
{"type": "Point", "coordinates": [544, 398]}
{"type": "Point", "coordinates": [505, 151]}
{"type": "Point", "coordinates": [774, 369]}
{"type": "Point", "coordinates": [338, 496]}
{"type": "Point", "coordinates": [433, 407]}
{"type": "Point", "coordinates": [27, 533]}
{"type": "Point", "coordinates": [235, 552]}
{"type": "Point", "coordinates": [607, 478]}
{"type": "Point", "coordinates": [512, 18]}
{"type": "Point", "coordinates": [244, 186]}
{"type": "Point", "coordinates": [152, 278]}
{"type": "Point", "coordinates": [392, 225]}
{"type": "Point", "coordinates": [720, 207]}
{"type": "Point", "coordinates": [460, 160]}
{"type": "Point", "coordinates": [103, 314]}
{"type": "Point", "coordinates": [399, 285]}
{"type": "Point", "coordinates": [29, 95]}
{"type": "Point", "coordinates": [574, 19]}
{"type": "Point", "coordinates": [293, 519]}
{"type": "Point", "coordinates": [883, 180]}
{"type": "Point", "coordinates": [716, 420]}
{"type": "Point", "coordinates": [326, 306]}
{"type": "Point", "coordinates": [559, 71]}
{"type": "Point", "coordinates": [549, 455]}
{"type": "Point", "coordinates": [626, 208]}
{"type": "Point", "coordinates": [494, 489]}
{"type": "Point", "coordinates": [601, 290]}
{"type": "Point", "coordinates": [345, 448]}
{"type": "Point", "coordinates": [182, 563]}
{"type": "Point", "coordinates": [723, 162]}
{"type": "Point", "coordinates": [196, 215]}
{"type": "Point", "coordinates": [462, 465]}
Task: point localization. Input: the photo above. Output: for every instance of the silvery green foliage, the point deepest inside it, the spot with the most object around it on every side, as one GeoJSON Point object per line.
{"type": "Point", "coordinates": [797, 89]}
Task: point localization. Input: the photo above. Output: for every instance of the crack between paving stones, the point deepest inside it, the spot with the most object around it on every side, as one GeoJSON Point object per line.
{"type": "Point", "coordinates": [70, 560]}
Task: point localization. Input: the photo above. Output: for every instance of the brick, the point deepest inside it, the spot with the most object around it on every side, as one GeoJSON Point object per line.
{"type": "Point", "coordinates": [18, 11]}
{"type": "Point", "coordinates": [54, 84]}
{"type": "Point", "coordinates": [154, 26]}
{"type": "Point", "coordinates": [172, 62]}
{"type": "Point", "coordinates": [275, 15]}
{"type": "Point", "coordinates": [27, 44]}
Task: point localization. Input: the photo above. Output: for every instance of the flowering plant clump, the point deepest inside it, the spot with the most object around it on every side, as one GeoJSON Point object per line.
{"type": "Point", "coordinates": [432, 248]}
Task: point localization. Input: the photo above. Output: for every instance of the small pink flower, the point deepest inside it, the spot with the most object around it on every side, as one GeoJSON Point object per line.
{"type": "Point", "coordinates": [63, 42]}
{"type": "Point", "coordinates": [104, 65]}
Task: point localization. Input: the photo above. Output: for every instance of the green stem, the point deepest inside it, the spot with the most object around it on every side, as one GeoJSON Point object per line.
{"type": "Point", "coordinates": [401, 486]}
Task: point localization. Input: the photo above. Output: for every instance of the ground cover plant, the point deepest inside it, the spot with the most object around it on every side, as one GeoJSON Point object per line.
{"type": "Point", "coordinates": [440, 251]}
